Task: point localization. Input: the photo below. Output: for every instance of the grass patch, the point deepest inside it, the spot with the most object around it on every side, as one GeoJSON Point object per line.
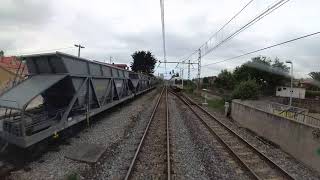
{"type": "Point", "coordinates": [216, 104]}
{"type": "Point", "coordinates": [73, 176]}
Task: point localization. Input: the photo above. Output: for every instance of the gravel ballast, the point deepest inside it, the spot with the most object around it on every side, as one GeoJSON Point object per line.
{"type": "Point", "coordinates": [108, 131]}
{"type": "Point", "coordinates": [185, 160]}
{"type": "Point", "coordinates": [198, 154]}
{"type": "Point", "coordinates": [115, 163]}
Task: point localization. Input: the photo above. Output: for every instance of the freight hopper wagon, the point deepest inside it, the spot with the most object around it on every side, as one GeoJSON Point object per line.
{"type": "Point", "coordinates": [61, 91]}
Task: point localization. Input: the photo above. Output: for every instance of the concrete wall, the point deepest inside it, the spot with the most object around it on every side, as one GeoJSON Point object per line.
{"type": "Point", "coordinates": [296, 138]}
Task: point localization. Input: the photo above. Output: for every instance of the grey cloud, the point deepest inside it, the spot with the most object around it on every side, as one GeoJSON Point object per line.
{"type": "Point", "coordinates": [24, 12]}
{"type": "Point", "coordinates": [106, 36]}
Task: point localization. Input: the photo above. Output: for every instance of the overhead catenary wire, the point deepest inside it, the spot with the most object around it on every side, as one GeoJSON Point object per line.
{"type": "Point", "coordinates": [212, 36]}
{"type": "Point", "coordinates": [265, 48]}
{"type": "Point", "coordinates": [266, 12]}
{"type": "Point", "coordinates": [163, 33]}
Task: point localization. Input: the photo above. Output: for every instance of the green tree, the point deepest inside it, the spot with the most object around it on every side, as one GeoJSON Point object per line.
{"type": "Point", "coordinates": [246, 90]}
{"type": "Point", "coordinates": [267, 73]}
{"type": "Point", "coordinates": [1, 53]}
{"type": "Point", "coordinates": [315, 75]}
{"type": "Point", "coordinates": [205, 80]}
{"type": "Point", "coordinates": [225, 80]}
{"type": "Point", "coordinates": [280, 66]}
{"type": "Point", "coordinates": [143, 61]}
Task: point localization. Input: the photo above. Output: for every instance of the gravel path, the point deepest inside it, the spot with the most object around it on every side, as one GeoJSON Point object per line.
{"type": "Point", "coordinates": [108, 130]}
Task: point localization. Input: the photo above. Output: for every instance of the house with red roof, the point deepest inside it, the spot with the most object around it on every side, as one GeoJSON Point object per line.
{"type": "Point", "coordinates": [8, 69]}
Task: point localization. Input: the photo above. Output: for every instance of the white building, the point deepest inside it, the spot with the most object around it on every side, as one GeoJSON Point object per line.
{"type": "Point", "coordinates": [285, 92]}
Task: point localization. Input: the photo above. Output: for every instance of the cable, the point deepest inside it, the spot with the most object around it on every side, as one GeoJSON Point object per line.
{"type": "Point", "coordinates": [163, 33]}
{"type": "Point", "coordinates": [249, 24]}
{"type": "Point", "coordinates": [268, 11]}
{"type": "Point", "coordinates": [262, 49]}
{"type": "Point", "coordinates": [233, 17]}
{"type": "Point", "coordinates": [227, 22]}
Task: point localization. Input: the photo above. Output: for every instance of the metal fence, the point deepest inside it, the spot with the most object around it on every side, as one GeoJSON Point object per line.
{"type": "Point", "coordinates": [294, 113]}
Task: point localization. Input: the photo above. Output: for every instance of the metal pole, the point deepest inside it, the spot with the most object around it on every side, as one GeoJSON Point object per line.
{"type": "Point", "coordinates": [189, 69]}
{"type": "Point", "coordinates": [79, 47]}
{"type": "Point", "coordinates": [163, 35]}
{"type": "Point", "coordinates": [199, 68]}
{"type": "Point", "coordinates": [291, 89]}
{"type": "Point", "coordinates": [182, 77]}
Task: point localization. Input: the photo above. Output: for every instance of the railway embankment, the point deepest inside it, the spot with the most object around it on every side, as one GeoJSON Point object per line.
{"type": "Point", "coordinates": [301, 139]}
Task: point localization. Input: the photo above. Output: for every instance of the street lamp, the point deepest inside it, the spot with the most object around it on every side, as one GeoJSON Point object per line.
{"type": "Point", "coordinates": [291, 89]}
{"type": "Point", "coordinates": [79, 47]}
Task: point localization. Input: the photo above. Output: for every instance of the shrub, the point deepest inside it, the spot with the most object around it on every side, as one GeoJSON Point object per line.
{"type": "Point", "coordinates": [246, 90]}
{"type": "Point", "coordinates": [189, 86]}
{"type": "Point", "coordinates": [312, 94]}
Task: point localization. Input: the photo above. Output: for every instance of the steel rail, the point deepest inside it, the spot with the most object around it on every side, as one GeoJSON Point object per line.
{"type": "Point", "coordinates": [267, 159]}
{"type": "Point", "coordinates": [168, 138]}
{"type": "Point", "coordinates": [186, 100]}
{"type": "Point", "coordinates": [133, 162]}
{"type": "Point", "coordinates": [253, 174]}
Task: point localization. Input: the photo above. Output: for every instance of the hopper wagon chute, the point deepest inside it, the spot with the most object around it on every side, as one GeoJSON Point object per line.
{"type": "Point", "coordinates": [60, 91]}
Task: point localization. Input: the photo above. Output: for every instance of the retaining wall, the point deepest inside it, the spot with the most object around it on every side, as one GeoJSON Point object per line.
{"type": "Point", "coordinates": [296, 138]}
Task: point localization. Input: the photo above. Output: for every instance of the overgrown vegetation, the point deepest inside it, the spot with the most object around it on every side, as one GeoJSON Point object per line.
{"type": "Point", "coordinates": [189, 86]}
{"type": "Point", "coordinates": [261, 73]}
{"type": "Point", "coordinates": [216, 104]}
{"type": "Point", "coordinates": [246, 90]}
{"type": "Point", "coordinates": [315, 75]}
{"type": "Point", "coordinates": [73, 176]}
{"type": "Point", "coordinates": [312, 94]}
{"type": "Point", "coordinates": [225, 80]}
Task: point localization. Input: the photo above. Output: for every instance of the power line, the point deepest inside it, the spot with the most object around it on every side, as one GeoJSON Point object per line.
{"type": "Point", "coordinates": [250, 23]}
{"type": "Point", "coordinates": [212, 36]}
{"type": "Point", "coordinates": [265, 48]}
{"type": "Point", "coordinates": [163, 32]}
{"type": "Point", "coordinates": [227, 23]}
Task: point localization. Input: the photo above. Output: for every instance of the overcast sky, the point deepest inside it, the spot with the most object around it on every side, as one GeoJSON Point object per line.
{"type": "Point", "coordinates": [118, 28]}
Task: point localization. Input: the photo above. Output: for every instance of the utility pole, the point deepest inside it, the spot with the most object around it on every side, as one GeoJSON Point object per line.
{"type": "Point", "coordinates": [182, 76]}
{"type": "Point", "coordinates": [79, 47]}
{"type": "Point", "coordinates": [291, 83]}
{"type": "Point", "coordinates": [163, 34]}
{"type": "Point", "coordinates": [110, 59]}
{"type": "Point", "coordinates": [189, 69]}
{"type": "Point", "coordinates": [199, 68]}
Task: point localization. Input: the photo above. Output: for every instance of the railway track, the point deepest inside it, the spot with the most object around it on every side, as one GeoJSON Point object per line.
{"type": "Point", "coordinates": [255, 163]}
{"type": "Point", "coordinates": [152, 156]}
